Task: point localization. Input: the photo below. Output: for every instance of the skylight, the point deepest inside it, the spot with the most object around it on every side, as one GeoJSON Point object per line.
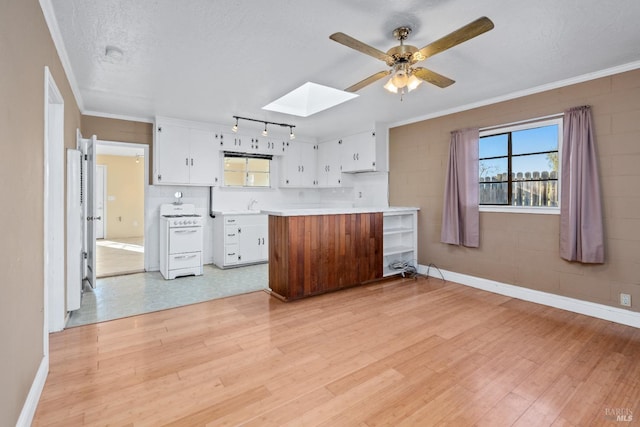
{"type": "Point", "coordinates": [308, 99]}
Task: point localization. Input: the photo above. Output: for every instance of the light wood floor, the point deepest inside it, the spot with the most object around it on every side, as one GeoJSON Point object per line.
{"type": "Point", "coordinates": [400, 352]}
{"type": "Point", "coordinates": [117, 256]}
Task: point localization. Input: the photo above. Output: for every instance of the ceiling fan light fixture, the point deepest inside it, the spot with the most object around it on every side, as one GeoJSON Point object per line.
{"type": "Point", "coordinates": [413, 82]}
{"type": "Point", "coordinates": [390, 86]}
{"type": "Point", "coordinates": [291, 134]}
{"type": "Point", "coordinates": [264, 132]}
{"type": "Point", "coordinates": [400, 79]}
{"type": "Point", "coordinates": [235, 127]}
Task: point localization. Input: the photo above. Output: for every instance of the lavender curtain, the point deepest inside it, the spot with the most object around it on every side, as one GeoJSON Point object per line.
{"type": "Point", "coordinates": [460, 214]}
{"type": "Point", "coordinates": [581, 233]}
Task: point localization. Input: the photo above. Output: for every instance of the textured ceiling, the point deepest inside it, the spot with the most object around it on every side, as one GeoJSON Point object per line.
{"type": "Point", "coordinates": [208, 60]}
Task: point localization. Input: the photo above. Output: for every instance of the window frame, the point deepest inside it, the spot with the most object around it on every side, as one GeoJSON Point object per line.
{"type": "Point", "coordinates": [246, 157]}
{"type": "Point", "coordinates": [509, 128]}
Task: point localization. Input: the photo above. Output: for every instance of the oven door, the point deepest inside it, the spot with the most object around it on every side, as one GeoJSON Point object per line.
{"type": "Point", "coordinates": [185, 239]}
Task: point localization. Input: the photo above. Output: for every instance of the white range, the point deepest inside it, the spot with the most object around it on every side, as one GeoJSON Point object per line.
{"type": "Point", "coordinates": [181, 241]}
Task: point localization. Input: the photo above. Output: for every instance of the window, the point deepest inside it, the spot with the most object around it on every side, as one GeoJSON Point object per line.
{"type": "Point", "coordinates": [246, 170]}
{"type": "Point", "coordinates": [519, 166]}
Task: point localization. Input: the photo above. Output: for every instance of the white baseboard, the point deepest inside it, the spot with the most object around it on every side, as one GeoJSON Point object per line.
{"type": "Point", "coordinates": [31, 404]}
{"type": "Point", "coordinates": [601, 311]}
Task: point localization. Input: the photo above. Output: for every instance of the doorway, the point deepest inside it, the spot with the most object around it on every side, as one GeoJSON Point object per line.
{"type": "Point", "coordinates": [120, 208]}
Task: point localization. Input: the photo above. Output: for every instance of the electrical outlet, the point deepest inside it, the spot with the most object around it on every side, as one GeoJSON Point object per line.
{"type": "Point", "coordinates": [625, 299]}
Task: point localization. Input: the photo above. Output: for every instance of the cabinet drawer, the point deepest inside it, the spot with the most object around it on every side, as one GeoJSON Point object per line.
{"type": "Point", "coordinates": [231, 254]}
{"type": "Point", "coordinates": [231, 220]}
{"type": "Point", "coordinates": [230, 234]}
{"type": "Point", "coordinates": [186, 260]}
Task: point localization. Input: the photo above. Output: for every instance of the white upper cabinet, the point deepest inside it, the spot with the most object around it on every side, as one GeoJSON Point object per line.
{"type": "Point", "coordinates": [298, 166]}
{"type": "Point", "coordinates": [236, 142]}
{"type": "Point", "coordinates": [184, 155]}
{"type": "Point", "coordinates": [242, 143]}
{"type": "Point", "coordinates": [359, 152]}
{"type": "Point", "coordinates": [329, 168]}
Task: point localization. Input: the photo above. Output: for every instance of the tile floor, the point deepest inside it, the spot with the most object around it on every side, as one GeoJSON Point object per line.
{"type": "Point", "coordinates": [132, 294]}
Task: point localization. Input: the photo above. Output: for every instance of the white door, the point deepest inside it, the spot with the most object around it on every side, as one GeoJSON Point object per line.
{"type": "Point", "coordinates": [101, 194]}
{"type": "Point", "coordinates": [88, 148]}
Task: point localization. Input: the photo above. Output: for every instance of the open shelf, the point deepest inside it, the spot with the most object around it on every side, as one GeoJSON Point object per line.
{"type": "Point", "coordinates": [400, 241]}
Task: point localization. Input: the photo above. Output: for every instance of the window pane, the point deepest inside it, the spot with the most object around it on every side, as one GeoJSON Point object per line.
{"type": "Point", "coordinates": [258, 165]}
{"type": "Point", "coordinates": [234, 163]}
{"type": "Point", "coordinates": [535, 166]}
{"type": "Point", "coordinates": [535, 193]}
{"type": "Point", "coordinates": [493, 170]}
{"type": "Point", "coordinates": [493, 146]}
{"type": "Point", "coordinates": [258, 179]}
{"type": "Point", "coordinates": [493, 193]}
{"type": "Point", "coordinates": [235, 178]}
{"type": "Point", "coordinates": [534, 140]}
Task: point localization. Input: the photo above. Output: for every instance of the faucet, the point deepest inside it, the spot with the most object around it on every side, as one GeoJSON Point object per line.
{"type": "Point", "coordinates": [252, 203]}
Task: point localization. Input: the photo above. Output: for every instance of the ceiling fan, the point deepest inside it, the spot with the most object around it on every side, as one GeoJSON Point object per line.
{"type": "Point", "coordinates": [402, 58]}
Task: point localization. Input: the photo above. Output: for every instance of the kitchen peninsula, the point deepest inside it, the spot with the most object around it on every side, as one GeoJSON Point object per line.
{"type": "Point", "coordinates": [313, 251]}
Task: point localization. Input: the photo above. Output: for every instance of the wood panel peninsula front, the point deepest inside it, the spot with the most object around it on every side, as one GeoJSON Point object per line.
{"type": "Point", "coordinates": [313, 251]}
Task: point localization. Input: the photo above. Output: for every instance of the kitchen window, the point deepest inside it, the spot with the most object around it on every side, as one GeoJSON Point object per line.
{"type": "Point", "coordinates": [519, 167]}
{"type": "Point", "coordinates": [247, 170]}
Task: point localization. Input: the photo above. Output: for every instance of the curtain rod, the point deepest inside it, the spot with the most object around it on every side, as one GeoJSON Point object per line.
{"type": "Point", "coordinates": [522, 122]}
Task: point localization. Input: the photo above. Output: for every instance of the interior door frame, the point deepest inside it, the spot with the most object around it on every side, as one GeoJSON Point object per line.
{"type": "Point", "coordinates": [145, 147]}
{"type": "Point", "coordinates": [101, 170]}
{"type": "Point", "coordinates": [54, 205]}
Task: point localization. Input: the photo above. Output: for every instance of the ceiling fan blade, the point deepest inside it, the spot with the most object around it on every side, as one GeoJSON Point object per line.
{"type": "Point", "coordinates": [349, 41]}
{"type": "Point", "coordinates": [375, 77]}
{"type": "Point", "coordinates": [469, 31]}
{"type": "Point", "coordinates": [432, 77]}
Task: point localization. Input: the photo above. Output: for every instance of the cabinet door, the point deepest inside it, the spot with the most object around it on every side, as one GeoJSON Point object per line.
{"type": "Point", "coordinates": [290, 165]}
{"type": "Point", "coordinates": [235, 142]}
{"type": "Point", "coordinates": [253, 244]}
{"type": "Point", "coordinates": [359, 152]}
{"type": "Point", "coordinates": [298, 165]}
{"type": "Point", "coordinates": [329, 165]}
{"type": "Point", "coordinates": [307, 158]}
{"type": "Point", "coordinates": [203, 158]}
{"type": "Point", "coordinates": [171, 154]}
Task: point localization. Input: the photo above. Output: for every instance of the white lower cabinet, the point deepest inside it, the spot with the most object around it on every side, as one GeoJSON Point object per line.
{"type": "Point", "coordinates": [400, 241]}
{"type": "Point", "coordinates": [240, 239]}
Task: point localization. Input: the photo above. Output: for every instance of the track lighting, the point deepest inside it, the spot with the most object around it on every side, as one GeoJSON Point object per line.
{"type": "Point", "coordinates": [265, 132]}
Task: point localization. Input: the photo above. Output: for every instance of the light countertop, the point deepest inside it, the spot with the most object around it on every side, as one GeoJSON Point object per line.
{"type": "Point", "coordinates": [337, 211]}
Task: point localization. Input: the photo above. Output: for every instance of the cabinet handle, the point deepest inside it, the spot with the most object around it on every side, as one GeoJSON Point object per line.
{"type": "Point", "coordinates": [302, 168]}
{"type": "Point", "coordinates": [185, 231]}
{"type": "Point", "coordinates": [258, 241]}
{"type": "Point", "coordinates": [186, 161]}
{"type": "Point", "coordinates": [191, 162]}
{"type": "Point", "coordinates": [263, 240]}
{"type": "Point", "coordinates": [184, 256]}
